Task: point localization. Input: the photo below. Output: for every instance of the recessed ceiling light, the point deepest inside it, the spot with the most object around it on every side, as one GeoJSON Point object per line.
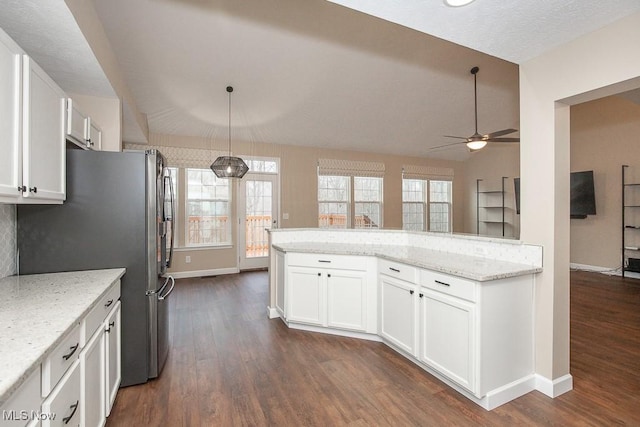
{"type": "Point", "coordinates": [457, 3]}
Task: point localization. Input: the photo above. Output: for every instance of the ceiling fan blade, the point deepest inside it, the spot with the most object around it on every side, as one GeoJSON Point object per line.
{"type": "Point", "coordinates": [452, 136]}
{"type": "Point", "coordinates": [447, 145]}
{"type": "Point", "coordinates": [504, 140]}
{"type": "Point", "coordinates": [499, 133]}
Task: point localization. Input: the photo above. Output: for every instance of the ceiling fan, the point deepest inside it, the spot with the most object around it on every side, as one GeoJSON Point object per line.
{"type": "Point", "coordinates": [476, 141]}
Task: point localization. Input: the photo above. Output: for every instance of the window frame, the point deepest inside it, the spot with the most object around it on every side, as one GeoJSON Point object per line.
{"type": "Point", "coordinates": [427, 205]}
{"type": "Point", "coordinates": [229, 229]}
{"type": "Point", "coordinates": [351, 201]}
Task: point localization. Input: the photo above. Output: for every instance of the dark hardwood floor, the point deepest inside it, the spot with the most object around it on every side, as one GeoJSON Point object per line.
{"type": "Point", "coordinates": [229, 365]}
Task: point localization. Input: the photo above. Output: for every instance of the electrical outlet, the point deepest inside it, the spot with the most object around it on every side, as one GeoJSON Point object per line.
{"type": "Point", "coordinates": [187, 259]}
{"type": "Point", "coordinates": [285, 216]}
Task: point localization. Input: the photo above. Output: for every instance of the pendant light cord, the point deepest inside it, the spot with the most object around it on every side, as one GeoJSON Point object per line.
{"type": "Point", "coordinates": [229, 90]}
{"type": "Point", "coordinates": [475, 97]}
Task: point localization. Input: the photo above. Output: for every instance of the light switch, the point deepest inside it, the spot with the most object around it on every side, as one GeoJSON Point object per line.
{"type": "Point", "coordinates": [285, 216]}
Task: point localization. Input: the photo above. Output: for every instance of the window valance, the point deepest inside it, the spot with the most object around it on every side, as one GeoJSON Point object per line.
{"type": "Point", "coordinates": [350, 168]}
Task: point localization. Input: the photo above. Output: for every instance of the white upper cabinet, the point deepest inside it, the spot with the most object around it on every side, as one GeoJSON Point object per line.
{"type": "Point", "coordinates": [10, 117]}
{"type": "Point", "coordinates": [43, 135]}
{"type": "Point", "coordinates": [32, 119]}
{"type": "Point", "coordinates": [81, 129]}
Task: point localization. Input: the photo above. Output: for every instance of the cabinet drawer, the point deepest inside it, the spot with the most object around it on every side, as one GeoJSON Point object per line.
{"type": "Point", "coordinates": [98, 313]}
{"type": "Point", "coordinates": [25, 400]}
{"type": "Point", "coordinates": [449, 285]}
{"type": "Point", "coordinates": [398, 270]}
{"type": "Point", "coordinates": [343, 262]}
{"type": "Point", "coordinates": [60, 360]}
{"type": "Point", "coordinates": [64, 401]}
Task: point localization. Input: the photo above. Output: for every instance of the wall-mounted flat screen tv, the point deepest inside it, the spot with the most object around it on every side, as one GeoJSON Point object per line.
{"type": "Point", "coordinates": [583, 198]}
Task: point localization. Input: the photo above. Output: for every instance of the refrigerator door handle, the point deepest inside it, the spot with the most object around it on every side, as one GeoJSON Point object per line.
{"type": "Point", "coordinates": [173, 285]}
{"type": "Point", "coordinates": [173, 219]}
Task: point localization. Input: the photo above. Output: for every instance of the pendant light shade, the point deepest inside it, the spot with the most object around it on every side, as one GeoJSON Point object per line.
{"type": "Point", "coordinates": [229, 166]}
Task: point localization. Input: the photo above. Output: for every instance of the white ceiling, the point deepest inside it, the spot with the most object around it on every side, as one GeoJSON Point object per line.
{"type": "Point", "coordinates": [515, 30]}
{"type": "Point", "coordinates": [310, 72]}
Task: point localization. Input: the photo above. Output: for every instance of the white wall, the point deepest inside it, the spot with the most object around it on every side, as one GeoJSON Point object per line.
{"type": "Point", "coordinates": [598, 64]}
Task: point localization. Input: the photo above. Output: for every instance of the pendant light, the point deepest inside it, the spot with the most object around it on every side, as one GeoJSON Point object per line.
{"type": "Point", "coordinates": [229, 166]}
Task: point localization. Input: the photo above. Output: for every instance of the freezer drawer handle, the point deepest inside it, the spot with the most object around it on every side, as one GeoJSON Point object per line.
{"type": "Point", "coordinates": [73, 350]}
{"type": "Point", "coordinates": [173, 284]}
{"type": "Point", "coordinates": [75, 408]}
{"type": "Point", "coordinates": [108, 304]}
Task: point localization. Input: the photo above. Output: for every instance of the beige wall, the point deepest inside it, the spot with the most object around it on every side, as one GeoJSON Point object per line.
{"type": "Point", "coordinates": [604, 136]}
{"type": "Point", "coordinates": [298, 189]}
{"type": "Point", "coordinates": [490, 164]}
{"type": "Point", "coordinates": [107, 114]}
{"type": "Point", "coordinates": [598, 64]}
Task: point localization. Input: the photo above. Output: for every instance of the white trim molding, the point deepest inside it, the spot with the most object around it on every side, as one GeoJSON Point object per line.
{"type": "Point", "coordinates": [204, 273]}
{"type": "Point", "coordinates": [272, 312]}
{"type": "Point", "coordinates": [554, 388]}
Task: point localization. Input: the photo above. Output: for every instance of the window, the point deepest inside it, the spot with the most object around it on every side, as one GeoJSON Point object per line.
{"type": "Point", "coordinates": [422, 199]}
{"type": "Point", "coordinates": [367, 198]}
{"type": "Point", "coordinates": [262, 166]}
{"type": "Point", "coordinates": [413, 204]}
{"type": "Point", "coordinates": [207, 209]}
{"type": "Point", "coordinates": [334, 201]}
{"type": "Point", "coordinates": [440, 206]}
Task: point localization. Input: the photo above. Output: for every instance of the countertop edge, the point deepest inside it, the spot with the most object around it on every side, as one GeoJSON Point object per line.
{"type": "Point", "coordinates": [526, 269]}
{"type": "Point", "coordinates": [8, 392]}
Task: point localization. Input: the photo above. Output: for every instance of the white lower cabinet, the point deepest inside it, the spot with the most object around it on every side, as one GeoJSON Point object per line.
{"type": "Point", "coordinates": [62, 407]}
{"type": "Point", "coordinates": [93, 387]}
{"type": "Point", "coordinates": [280, 278]}
{"type": "Point", "coordinates": [113, 334]}
{"type": "Point", "coordinates": [100, 362]}
{"type": "Point", "coordinates": [346, 299]}
{"type": "Point", "coordinates": [398, 313]}
{"type": "Point", "coordinates": [330, 291]}
{"type": "Point", "coordinates": [448, 336]}
{"type": "Point", "coordinates": [306, 293]}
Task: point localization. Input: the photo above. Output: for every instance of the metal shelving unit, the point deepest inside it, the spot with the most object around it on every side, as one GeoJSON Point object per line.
{"type": "Point", "coordinates": [479, 206]}
{"type": "Point", "coordinates": [627, 187]}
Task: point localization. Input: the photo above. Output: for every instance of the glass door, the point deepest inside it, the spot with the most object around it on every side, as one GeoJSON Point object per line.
{"type": "Point", "coordinates": [257, 212]}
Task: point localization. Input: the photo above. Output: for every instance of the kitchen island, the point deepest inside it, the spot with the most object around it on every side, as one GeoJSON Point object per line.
{"type": "Point", "coordinates": [42, 315]}
{"type": "Point", "coordinates": [460, 307]}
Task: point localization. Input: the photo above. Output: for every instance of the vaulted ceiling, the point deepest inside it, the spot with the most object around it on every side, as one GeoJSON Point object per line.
{"type": "Point", "coordinates": [312, 72]}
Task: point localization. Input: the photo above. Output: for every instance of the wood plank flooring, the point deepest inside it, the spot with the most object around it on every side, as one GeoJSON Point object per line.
{"type": "Point", "coordinates": [229, 365]}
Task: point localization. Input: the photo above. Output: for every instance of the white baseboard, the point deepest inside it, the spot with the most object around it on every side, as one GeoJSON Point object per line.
{"type": "Point", "coordinates": [554, 388]}
{"type": "Point", "coordinates": [576, 266]}
{"type": "Point", "coordinates": [330, 331]}
{"type": "Point", "coordinates": [507, 393]}
{"type": "Point", "coordinates": [272, 312]}
{"type": "Point", "coordinates": [204, 273]}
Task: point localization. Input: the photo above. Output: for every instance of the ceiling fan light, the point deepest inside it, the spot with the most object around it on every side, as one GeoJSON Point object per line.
{"type": "Point", "coordinates": [476, 145]}
{"type": "Point", "coordinates": [457, 3]}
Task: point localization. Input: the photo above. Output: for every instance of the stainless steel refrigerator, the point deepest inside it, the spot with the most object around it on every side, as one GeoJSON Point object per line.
{"type": "Point", "coordinates": [118, 213]}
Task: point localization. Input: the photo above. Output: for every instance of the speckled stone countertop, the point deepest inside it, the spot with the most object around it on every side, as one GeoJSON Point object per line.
{"type": "Point", "coordinates": [470, 267]}
{"type": "Point", "coordinates": [37, 311]}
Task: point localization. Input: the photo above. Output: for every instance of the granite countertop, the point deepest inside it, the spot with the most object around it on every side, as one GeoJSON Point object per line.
{"type": "Point", "coordinates": [470, 267]}
{"type": "Point", "coordinates": [37, 311]}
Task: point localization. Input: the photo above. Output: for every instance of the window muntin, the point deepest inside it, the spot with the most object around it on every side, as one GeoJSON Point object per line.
{"type": "Point", "coordinates": [207, 209]}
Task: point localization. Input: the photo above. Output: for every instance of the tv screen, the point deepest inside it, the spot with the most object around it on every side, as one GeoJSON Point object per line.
{"type": "Point", "coordinates": [516, 188]}
{"type": "Point", "coordinates": [583, 199]}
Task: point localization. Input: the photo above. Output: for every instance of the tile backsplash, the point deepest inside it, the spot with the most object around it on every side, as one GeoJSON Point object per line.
{"type": "Point", "coordinates": [7, 240]}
